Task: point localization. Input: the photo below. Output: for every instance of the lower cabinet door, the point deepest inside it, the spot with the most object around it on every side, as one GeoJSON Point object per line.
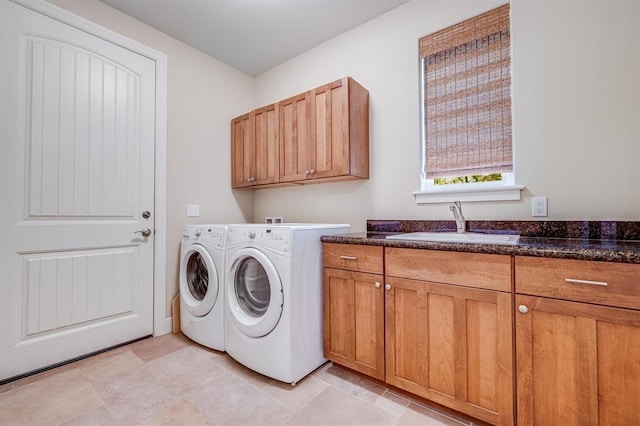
{"type": "Point", "coordinates": [353, 320]}
{"type": "Point", "coordinates": [577, 363]}
{"type": "Point", "coordinates": [452, 345]}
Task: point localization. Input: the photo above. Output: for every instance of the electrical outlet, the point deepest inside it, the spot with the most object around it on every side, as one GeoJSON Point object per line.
{"type": "Point", "coordinates": [273, 219]}
{"type": "Point", "coordinates": [539, 206]}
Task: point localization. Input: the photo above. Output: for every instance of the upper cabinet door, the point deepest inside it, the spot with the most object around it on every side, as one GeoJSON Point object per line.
{"type": "Point", "coordinates": [330, 112]}
{"type": "Point", "coordinates": [296, 152]}
{"type": "Point", "coordinates": [242, 150]}
{"type": "Point", "coordinates": [255, 148]}
{"type": "Point", "coordinates": [340, 115]}
{"type": "Point", "coordinates": [267, 145]}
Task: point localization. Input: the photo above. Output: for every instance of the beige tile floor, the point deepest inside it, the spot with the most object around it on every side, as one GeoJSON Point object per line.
{"type": "Point", "coordinates": [169, 380]}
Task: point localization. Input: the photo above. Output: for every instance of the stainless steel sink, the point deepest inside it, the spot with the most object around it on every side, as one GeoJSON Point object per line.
{"type": "Point", "coordinates": [457, 237]}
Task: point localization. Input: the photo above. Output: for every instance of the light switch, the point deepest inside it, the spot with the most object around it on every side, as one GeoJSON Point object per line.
{"type": "Point", "coordinates": [193, 210]}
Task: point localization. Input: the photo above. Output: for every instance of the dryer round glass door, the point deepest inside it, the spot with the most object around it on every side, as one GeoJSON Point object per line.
{"type": "Point", "coordinates": [254, 293]}
{"type": "Point", "coordinates": [198, 280]}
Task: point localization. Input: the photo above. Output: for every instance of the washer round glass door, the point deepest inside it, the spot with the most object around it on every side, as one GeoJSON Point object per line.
{"type": "Point", "coordinates": [254, 293]}
{"type": "Point", "coordinates": [198, 280]}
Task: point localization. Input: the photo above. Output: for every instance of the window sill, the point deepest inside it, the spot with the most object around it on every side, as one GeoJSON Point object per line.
{"type": "Point", "coordinates": [492, 193]}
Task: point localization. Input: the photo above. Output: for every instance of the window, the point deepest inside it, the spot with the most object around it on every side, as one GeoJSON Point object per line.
{"type": "Point", "coordinates": [466, 106]}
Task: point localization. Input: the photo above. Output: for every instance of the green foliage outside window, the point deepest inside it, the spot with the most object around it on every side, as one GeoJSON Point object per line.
{"type": "Point", "coordinates": [468, 179]}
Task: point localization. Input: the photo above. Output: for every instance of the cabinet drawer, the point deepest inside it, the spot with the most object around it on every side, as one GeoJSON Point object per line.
{"type": "Point", "coordinates": [353, 257]}
{"type": "Point", "coordinates": [488, 271]}
{"type": "Point", "coordinates": [604, 283]}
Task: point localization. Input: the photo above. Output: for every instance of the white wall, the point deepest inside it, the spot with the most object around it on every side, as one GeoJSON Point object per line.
{"type": "Point", "coordinates": [576, 117]}
{"type": "Point", "coordinates": [576, 112]}
{"type": "Point", "coordinates": [203, 95]}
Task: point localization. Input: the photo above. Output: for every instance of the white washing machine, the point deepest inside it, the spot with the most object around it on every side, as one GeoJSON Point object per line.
{"type": "Point", "coordinates": [274, 297]}
{"type": "Point", "coordinates": [202, 267]}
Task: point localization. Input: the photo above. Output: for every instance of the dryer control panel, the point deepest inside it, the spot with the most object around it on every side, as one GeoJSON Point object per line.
{"type": "Point", "coordinates": [276, 238]}
{"type": "Point", "coordinates": [213, 235]}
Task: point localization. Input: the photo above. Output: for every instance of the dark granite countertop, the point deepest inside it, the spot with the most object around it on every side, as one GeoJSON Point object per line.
{"type": "Point", "coordinates": [618, 242]}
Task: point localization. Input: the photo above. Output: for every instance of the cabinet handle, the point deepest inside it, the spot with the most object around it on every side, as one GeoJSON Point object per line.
{"type": "Point", "coordinates": [377, 284]}
{"type": "Point", "coordinates": [523, 309]}
{"type": "Point", "coordinates": [312, 171]}
{"type": "Point", "coordinates": [574, 281]}
{"type": "Point", "coordinates": [348, 257]}
{"type": "Point", "coordinates": [387, 287]}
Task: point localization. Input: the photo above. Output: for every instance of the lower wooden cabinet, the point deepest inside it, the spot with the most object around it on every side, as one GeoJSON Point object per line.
{"type": "Point", "coordinates": [577, 342]}
{"type": "Point", "coordinates": [441, 325]}
{"type": "Point", "coordinates": [353, 320]}
{"type": "Point", "coordinates": [577, 363]}
{"type": "Point", "coordinates": [451, 345]}
{"type": "Point", "coordinates": [446, 342]}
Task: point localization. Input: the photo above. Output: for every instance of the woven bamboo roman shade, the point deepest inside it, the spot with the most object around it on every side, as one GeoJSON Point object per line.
{"type": "Point", "coordinates": [467, 97]}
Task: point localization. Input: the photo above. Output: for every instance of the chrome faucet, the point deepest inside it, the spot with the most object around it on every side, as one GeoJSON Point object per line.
{"type": "Point", "coordinates": [461, 223]}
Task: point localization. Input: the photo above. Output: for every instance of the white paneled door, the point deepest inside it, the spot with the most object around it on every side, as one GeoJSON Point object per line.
{"type": "Point", "coordinates": [76, 192]}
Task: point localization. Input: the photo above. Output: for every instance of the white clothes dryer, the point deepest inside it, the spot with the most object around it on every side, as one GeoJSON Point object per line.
{"type": "Point", "coordinates": [274, 297]}
{"type": "Point", "coordinates": [202, 266]}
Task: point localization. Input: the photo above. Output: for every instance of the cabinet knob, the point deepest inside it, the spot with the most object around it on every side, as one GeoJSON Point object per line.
{"type": "Point", "coordinates": [312, 171]}
{"type": "Point", "coordinates": [523, 309]}
{"type": "Point", "coordinates": [377, 284]}
{"type": "Point", "coordinates": [387, 287]}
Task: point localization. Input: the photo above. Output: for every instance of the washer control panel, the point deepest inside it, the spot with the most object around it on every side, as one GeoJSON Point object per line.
{"type": "Point", "coordinates": [214, 236]}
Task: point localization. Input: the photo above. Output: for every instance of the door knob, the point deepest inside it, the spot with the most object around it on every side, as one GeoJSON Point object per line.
{"type": "Point", "coordinates": [145, 232]}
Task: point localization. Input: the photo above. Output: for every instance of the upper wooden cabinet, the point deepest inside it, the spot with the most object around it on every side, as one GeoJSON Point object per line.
{"type": "Point", "coordinates": [322, 135]}
{"type": "Point", "coordinates": [255, 148]}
